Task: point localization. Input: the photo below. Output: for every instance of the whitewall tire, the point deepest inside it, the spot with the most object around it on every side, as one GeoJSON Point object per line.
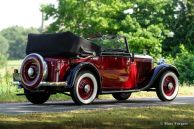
{"type": "Point", "coordinates": [168, 86]}
{"type": "Point", "coordinates": [85, 88]}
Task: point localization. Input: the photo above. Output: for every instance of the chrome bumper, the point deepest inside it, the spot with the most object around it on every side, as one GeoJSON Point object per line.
{"type": "Point", "coordinates": [17, 81]}
{"type": "Point", "coordinates": [45, 83]}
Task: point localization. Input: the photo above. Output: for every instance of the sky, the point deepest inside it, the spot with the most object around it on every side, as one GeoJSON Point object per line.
{"type": "Point", "coordinates": [24, 13]}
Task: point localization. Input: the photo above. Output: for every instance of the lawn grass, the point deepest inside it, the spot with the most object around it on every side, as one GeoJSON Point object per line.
{"type": "Point", "coordinates": [168, 117]}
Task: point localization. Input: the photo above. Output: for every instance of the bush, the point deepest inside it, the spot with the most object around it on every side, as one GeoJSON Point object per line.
{"type": "Point", "coordinates": [3, 60]}
{"type": "Point", "coordinates": [185, 64]}
{"type": "Point", "coordinates": [4, 46]}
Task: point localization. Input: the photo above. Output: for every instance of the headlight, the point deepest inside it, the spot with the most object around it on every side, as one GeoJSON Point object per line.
{"type": "Point", "coordinates": [161, 61]}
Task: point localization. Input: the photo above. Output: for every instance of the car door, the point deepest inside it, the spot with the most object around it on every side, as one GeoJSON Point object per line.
{"type": "Point", "coordinates": [115, 71]}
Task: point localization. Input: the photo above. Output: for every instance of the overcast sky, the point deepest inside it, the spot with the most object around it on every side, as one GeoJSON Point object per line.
{"type": "Point", "coordinates": [24, 13]}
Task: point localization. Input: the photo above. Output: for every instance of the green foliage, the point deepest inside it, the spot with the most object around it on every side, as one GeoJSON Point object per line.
{"type": "Point", "coordinates": [3, 60]}
{"type": "Point", "coordinates": [16, 39]}
{"type": "Point", "coordinates": [185, 64]}
{"type": "Point", "coordinates": [143, 25]}
{"type": "Point", "coordinates": [146, 39]}
{"type": "Point", "coordinates": [182, 24]}
{"type": "Point", "coordinates": [4, 46]}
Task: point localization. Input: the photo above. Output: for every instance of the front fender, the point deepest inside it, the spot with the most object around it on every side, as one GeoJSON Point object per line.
{"type": "Point", "coordinates": [82, 66]}
{"type": "Point", "coordinates": [159, 70]}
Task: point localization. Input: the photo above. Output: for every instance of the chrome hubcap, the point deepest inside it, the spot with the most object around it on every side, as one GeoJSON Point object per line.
{"type": "Point", "coordinates": [30, 72]}
{"type": "Point", "coordinates": [86, 88]}
{"type": "Point", "coordinates": [170, 86]}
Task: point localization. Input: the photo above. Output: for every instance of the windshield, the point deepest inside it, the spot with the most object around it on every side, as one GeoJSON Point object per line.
{"type": "Point", "coordinates": [110, 43]}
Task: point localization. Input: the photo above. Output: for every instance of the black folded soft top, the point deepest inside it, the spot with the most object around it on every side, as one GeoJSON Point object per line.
{"type": "Point", "coordinates": [65, 44]}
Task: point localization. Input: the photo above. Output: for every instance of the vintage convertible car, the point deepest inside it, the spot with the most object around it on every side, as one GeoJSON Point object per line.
{"type": "Point", "coordinates": [68, 64]}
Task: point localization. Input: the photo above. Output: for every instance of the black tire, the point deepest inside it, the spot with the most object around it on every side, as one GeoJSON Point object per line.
{"type": "Point", "coordinates": [121, 96]}
{"type": "Point", "coordinates": [168, 86]}
{"type": "Point", "coordinates": [36, 97]}
{"type": "Point", "coordinates": [85, 88]}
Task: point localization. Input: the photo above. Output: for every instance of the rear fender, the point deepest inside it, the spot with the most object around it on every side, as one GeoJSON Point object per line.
{"type": "Point", "coordinates": [159, 70]}
{"type": "Point", "coordinates": [79, 67]}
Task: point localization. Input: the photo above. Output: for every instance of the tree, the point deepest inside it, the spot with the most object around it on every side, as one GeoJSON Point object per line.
{"type": "Point", "coordinates": [185, 64]}
{"type": "Point", "coordinates": [4, 46]}
{"type": "Point", "coordinates": [182, 25]}
{"type": "Point", "coordinates": [17, 38]}
{"type": "Point", "coordinates": [141, 21]}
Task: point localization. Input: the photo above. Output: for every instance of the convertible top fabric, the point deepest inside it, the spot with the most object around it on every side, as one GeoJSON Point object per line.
{"type": "Point", "coordinates": [64, 44]}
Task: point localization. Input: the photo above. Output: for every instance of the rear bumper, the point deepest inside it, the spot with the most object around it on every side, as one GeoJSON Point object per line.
{"type": "Point", "coordinates": [17, 81]}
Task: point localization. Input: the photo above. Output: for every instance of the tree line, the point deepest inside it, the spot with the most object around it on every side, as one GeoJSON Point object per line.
{"type": "Point", "coordinates": [13, 42]}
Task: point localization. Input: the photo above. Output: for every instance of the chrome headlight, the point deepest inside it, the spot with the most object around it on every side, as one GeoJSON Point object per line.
{"type": "Point", "coordinates": [161, 61]}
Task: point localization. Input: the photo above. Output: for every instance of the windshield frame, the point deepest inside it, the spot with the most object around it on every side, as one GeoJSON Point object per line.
{"type": "Point", "coordinates": [112, 37]}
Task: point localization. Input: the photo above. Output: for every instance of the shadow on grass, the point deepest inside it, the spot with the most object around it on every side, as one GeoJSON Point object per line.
{"type": "Point", "coordinates": [170, 117]}
{"type": "Point", "coordinates": [131, 124]}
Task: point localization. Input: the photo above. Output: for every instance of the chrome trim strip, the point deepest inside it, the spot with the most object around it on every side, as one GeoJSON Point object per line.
{"type": "Point", "coordinates": [45, 83]}
{"type": "Point", "coordinates": [53, 84]}
{"type": "Point", "coordinates": [57, 71]}
{"type": "Point", "coordinates": [16, 83]}
{"type": "Point", "coordinates": [143, 56]}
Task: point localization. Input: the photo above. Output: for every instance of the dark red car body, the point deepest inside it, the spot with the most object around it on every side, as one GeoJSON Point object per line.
{"type": "Point", "coordinates": [117, 73]}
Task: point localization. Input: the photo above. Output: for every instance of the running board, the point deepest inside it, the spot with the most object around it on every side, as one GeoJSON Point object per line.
{"type": "Point", "coordinates": [124, 91]}
{"type": "Point", "coordinates": [118, 91]}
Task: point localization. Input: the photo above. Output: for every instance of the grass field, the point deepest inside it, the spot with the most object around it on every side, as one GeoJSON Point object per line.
{"type": "Point", "coordinates": [8, 91]}
{"type": "Point", "coordinates": [168, 117]}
